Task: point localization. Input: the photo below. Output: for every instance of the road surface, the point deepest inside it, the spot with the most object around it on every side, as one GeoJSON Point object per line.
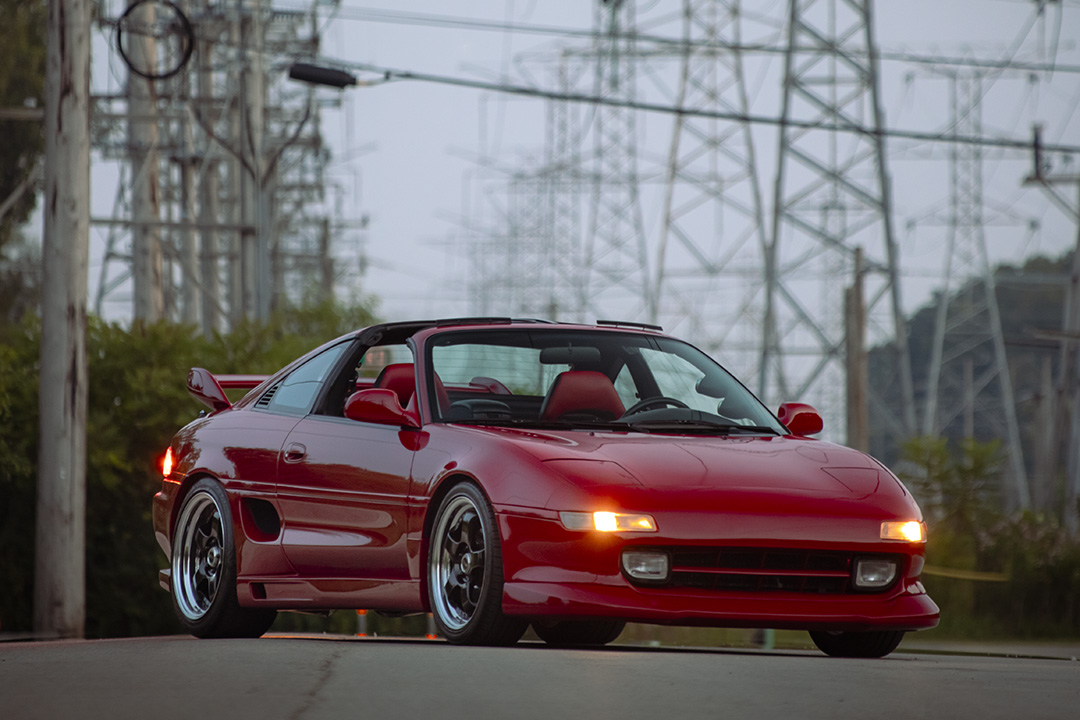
{"type": "Point", "coordinates": [342, 677]}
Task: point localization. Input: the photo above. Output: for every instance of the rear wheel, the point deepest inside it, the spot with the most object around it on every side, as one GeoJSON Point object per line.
{"type": "Point", "coordinates": [465, 572]}
{"type": "Point", "coordinates": [204, 569]}
{"type": "Point", "coordinates": [873, 644]}
{"type": "Point", "coordinates": [569, 633]}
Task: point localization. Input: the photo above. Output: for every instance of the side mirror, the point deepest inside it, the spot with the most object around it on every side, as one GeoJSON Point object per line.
{"type": "Point", "coordinates": [800, 418]}
{"type": "Point", "coordinates": [379, 406]}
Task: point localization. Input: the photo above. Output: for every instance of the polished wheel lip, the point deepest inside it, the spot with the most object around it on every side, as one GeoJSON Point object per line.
{"type": "Point", "coordinates": [197, 556]}
{"type": "Point", "coordinates": [457, 568]}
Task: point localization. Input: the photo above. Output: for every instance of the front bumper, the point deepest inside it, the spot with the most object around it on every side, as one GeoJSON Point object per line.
{"type": "Point", "coordinates": [551, 572]}
{"type": "Point", "coordinates": [911, 610]}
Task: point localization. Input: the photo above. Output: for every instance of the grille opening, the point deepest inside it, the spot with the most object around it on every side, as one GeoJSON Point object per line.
{"type": "Point", "coordinates": [756, 570]}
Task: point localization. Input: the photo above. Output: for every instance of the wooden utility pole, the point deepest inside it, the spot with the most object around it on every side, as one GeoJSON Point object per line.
{"type": "Point", "coordinates": [147, 265]}
{"type": "Point", "coordinates": [59, 571]}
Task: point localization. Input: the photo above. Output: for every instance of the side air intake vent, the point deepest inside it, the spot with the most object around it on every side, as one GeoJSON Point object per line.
{"type": "Point", "coordinates": [264, 401]}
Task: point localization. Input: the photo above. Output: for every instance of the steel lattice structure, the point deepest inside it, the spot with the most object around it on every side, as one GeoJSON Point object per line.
{"type": "Point", "coordinates": [968, 356]}
{"type": "Point", "coordinates": [713, 234]}
{"type": "Point", "coordinates": [220, 212]}
{"type": "Point", "coordinates": [831, 197]}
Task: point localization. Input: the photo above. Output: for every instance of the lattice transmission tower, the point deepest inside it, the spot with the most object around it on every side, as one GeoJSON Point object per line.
{"type": "Point", "coordinates": [616, 280]}
{"type": "Point", "coordinates": [713, 234]}
{"type": "Point", "coordinates": [530, 262]}
{"type": "Point", "coordinates": [968, 354]}
{"type": "Point", "coordinates": [220, 211]}
{"type": "Point", "coordinates": [831, 197]}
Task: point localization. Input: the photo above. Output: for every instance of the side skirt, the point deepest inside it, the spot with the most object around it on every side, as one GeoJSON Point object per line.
{"type": "Point", "coordinates": [330, 594]}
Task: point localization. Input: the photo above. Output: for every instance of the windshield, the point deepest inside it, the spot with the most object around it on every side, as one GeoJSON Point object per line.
{"type": "Point", "coordinates": [589, 379]}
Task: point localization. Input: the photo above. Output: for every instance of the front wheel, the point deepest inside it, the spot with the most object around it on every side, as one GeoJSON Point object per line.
{"type": "Point", "coordinates": [204, 569]}
{"type": "Point", "coordinates": [570, 633]}
{"type": "Point", "coordinates": [873, 644]}
{"type": "Point", "coordinates": [465, 572]}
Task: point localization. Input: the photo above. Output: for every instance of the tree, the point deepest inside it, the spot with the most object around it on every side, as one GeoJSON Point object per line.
{"type": "Point", "coordinates": [22, 83]}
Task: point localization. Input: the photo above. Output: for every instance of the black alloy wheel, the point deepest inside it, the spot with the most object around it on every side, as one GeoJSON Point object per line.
{"type": "Point", "coordinates": [204, 569]}
{"type": "Point", "coordinates": [465, 572]}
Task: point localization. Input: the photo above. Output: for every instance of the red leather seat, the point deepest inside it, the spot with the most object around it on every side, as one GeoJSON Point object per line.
{"type": "Point", "coordinates": [401, 378]}
{"type": "Point", "coordinates": [584, 392]}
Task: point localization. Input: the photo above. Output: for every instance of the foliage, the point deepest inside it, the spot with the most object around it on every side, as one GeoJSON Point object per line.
{"type": "Point", "coordinates": [18, 468]}
{"type": "Point", "coordinates": [1041, 597]}
{"type": "Point", "coordinates": [137, 401]}
{"type": "Point", "coordinates": [22, 80]}
{"type": "Point", "coordinates": [20, 274]}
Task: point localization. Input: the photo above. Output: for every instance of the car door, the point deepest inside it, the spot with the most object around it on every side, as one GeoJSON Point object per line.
{"type": "Point", "coordinates": [342, 490]}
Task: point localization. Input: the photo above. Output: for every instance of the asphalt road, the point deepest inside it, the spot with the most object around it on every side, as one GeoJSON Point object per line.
{"type": "Point", "coordinates": [342, 677]}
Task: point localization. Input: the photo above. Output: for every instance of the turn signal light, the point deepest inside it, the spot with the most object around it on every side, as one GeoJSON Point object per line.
{"type": "Point", "coordinates": [910, 531]}
{"type": "Point", "coordinates": [167, 463]}
{"type": "Point", "coordinates": [607, 522]}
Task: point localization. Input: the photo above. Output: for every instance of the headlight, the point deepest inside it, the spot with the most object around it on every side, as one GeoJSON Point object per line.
{"type": "Point", "coordinates": [607, 522]}
{"type": "Point", "coordinates": [910, 531]}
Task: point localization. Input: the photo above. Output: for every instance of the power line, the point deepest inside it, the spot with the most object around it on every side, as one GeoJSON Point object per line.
{"type": "Point", "coordinates": [388, 74]}
{"type": "Point", "coordinates": [446, 21]}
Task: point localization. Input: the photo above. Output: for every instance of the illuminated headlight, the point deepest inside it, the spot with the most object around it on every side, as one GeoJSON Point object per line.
{"type": "Point", "coordinates": [910, 531]}
{"type": "Point", "coordinates": [874, 573]}
{"type": "Point", "coordinates": [646, 565]}
{"type": "Point", "coordinates": [607, 522]}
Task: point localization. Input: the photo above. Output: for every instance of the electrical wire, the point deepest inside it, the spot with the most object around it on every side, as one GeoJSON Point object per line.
{"type": "Point", "coordinates": [388, 74]}
{"type": "Point", "coordinates": [677, 44]}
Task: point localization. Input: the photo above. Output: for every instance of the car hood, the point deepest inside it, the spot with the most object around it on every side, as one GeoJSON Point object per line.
{"type": "Point", "coordinates": [733, 470]}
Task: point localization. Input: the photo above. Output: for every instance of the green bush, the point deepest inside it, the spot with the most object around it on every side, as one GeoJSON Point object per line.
{"type": "Point", "coordinates": [137, 401]}
{"type": "Point", "coordinates": [958, 491]}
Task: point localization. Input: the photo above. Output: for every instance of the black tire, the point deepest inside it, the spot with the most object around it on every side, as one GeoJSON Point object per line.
{"type": "Point", "coordinates": [571, 633]}
{"type": "Point", "coordinates": [204, 569]}
{"type": "Point", "coordinates": [465, 572]}
{"type": "Point", "coordinates": [873, 644]}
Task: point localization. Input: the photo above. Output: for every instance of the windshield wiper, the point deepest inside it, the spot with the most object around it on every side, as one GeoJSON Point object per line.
{"type": "Point", "coordinates": [534, 424]}
{"type": "Point", "coordinates": [702, 427]}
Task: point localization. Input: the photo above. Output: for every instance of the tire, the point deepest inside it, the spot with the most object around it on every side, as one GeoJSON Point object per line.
{"type": "Point", "coordinates": [465, 572]}
{"type": "Point", "coordinates": [873, 644]}
{"type": "Point", "coordinates": [204, 569]}
{"type": "Point", "coordinates": [572, 633]}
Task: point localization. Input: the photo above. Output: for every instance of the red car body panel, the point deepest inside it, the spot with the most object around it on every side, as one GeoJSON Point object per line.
{"type": "Point", "coordinates": [355, 502]}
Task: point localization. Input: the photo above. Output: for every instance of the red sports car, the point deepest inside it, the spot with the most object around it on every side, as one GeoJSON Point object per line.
{"type": "Point", "coordinates": [499, 472]}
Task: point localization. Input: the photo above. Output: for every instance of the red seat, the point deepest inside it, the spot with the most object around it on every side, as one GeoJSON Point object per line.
{"type": "Point", "coordinates": [585, 392]}
{"type": "Point", "coordinates": [401, 378]}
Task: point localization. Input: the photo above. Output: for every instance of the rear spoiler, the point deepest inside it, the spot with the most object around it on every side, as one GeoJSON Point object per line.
{"type": "Point", "coordinates": [207, 388]}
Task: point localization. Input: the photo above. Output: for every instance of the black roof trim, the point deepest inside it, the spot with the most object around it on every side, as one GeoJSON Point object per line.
{"type": "Point", "coordinates": [489, 321]}
{"type": "Point", "coordinates": [473, 321]}
{"type": "Point", "coordinates": [627, 323]}
{"type": "Point", "coordinates": [393, 332]}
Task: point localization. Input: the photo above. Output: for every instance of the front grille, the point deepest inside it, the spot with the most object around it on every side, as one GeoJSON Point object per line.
{"type": "Point", "coordinates": [756, 570]}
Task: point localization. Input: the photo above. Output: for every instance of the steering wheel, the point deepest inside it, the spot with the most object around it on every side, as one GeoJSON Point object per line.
{"type": "Point", "coordinates": [658, 401]}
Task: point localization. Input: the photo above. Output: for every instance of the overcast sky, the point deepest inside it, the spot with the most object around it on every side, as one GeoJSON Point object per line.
{"type": "Point", "coordinates": [408, 152]}
{"type": "Point", "coordinates": [413, 182]}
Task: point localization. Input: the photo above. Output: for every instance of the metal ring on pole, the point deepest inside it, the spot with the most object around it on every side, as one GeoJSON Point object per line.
{"type": "Point", "coordinates": [178, 27]}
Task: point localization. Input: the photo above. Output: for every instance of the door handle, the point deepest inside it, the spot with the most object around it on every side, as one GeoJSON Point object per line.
{"type": "Point", "coordinates": [295, 453]}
